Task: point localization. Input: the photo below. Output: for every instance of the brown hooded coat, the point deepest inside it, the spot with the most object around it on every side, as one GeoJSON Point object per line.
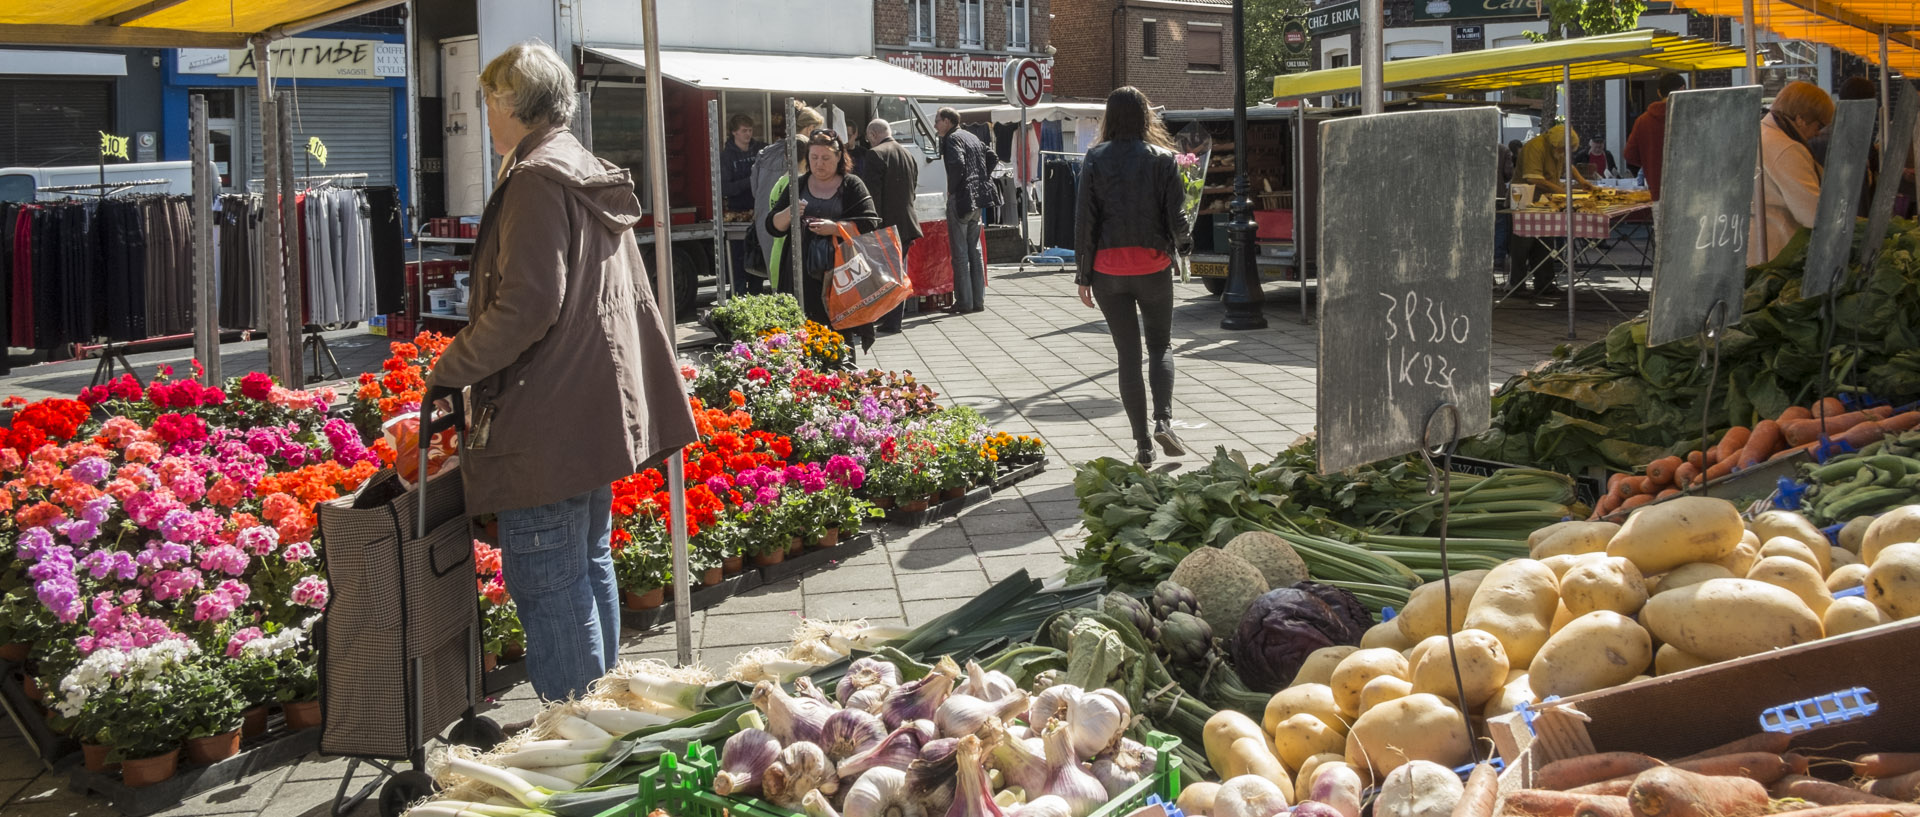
{"type": "Point", "coordinates": [566, 344]}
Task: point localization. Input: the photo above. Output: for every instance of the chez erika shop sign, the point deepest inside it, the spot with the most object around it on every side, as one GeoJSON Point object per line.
{"type": "Point", "coordinates": [974, 72]}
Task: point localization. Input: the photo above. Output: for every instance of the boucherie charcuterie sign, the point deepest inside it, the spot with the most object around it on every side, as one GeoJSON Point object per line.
{"type": "Point", "coordinates": [303, 58]}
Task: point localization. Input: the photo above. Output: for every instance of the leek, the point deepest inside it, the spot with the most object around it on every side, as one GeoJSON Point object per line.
{"type": "Point", "coordinates": [502, 779]}
{"type": "Point", "coordinates": [678, 698]}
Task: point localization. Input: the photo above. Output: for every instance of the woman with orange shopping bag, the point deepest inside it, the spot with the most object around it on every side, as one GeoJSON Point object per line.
{"type": "Point", "coordinates": [831, 199]}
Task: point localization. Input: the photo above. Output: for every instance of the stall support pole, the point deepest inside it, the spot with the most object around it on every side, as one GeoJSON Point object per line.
{"type": "Point", "coordinates": [1020, 184]}
{"type": "Point", "coordinates": [1566, 156]}
{"type": "Point", "coordinates": [1300, 203]}
{"type": "Point", "coordinates": [722, 259]}
{"type": "Point", "coordinates": [1886, 91]}
{"type": "Point", "coordinates": [795, 141]}
{"type": "Point", "coordinates": [412, 203]}
{"type": "Point", "coordinates": [296, 291]}
{"type": "Point", "coordinates": [1372, 56]}
{"type": "Point", "coordinates": [206, 313]}
{"type": "Point", "coordinates": [278, 349]}
{"type": "Point", "coordinates": [1752, 38]}
{"type": "Point", "coordinates": [1245, 299]}
{"type": "Point", "coordinates": [663, 271]}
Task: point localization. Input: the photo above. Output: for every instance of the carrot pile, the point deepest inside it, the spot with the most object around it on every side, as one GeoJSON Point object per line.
{"type": "Point", "coordinates": [1799, 428]}
{"type": "Point", "coordinates": [1750, 777]}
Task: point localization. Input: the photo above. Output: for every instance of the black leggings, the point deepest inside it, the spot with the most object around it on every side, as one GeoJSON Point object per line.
{"type": "Point", "coordinates": [1131, 303]}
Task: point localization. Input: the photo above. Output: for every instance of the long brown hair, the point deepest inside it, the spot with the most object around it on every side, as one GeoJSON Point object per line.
{"type": "Point", "coordinates": [1130, 116]}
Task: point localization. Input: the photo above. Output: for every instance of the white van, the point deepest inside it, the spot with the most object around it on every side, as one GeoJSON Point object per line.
{"type": "Point", "coordinates": [25, 183]}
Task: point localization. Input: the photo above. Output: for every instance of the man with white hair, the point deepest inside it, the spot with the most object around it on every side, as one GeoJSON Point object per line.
{"type": "Point", "coordinates": [892, 174]}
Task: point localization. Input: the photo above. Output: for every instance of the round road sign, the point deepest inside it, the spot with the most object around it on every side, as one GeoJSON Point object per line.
{"type": "Point", "coordinates": [1023, 83]}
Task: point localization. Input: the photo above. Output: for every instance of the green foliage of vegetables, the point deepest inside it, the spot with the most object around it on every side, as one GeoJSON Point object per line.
{"type": "Point", "coordinates": [1617, 404]}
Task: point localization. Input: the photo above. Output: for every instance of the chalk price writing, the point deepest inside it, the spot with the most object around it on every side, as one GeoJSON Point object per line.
{"type": "Point", "coordinates": [1725, 231]}
{"type": "Point", "coordinates": [1414, 319]}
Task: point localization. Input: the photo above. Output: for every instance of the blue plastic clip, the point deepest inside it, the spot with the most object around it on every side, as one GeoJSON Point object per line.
{"type": "Point", "coordinates": [1833, 532]}
{"type": "Point", "coordinates": [1820, 710]}
{"type": "Point", "coordinates": [1526, 712]}
{"type": "Point", "coordinates": [1387, 614]}
{"type": "Point", "coordinates": [1791, 494]}
{"type": "Point", "coordinates": [1467, 771]}
{"type": "Point", "coordinates": [1172, 810]}
{"type": "Point", "coordinates": [1856, 590]}
{"type": "Point", "coordinates": [1828, 448]}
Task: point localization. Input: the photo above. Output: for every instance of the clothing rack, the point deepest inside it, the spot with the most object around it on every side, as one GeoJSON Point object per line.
{"type": "Point", "coordinates": [118, 187]}
{"type": "Point", "coordinates": [323, 180]}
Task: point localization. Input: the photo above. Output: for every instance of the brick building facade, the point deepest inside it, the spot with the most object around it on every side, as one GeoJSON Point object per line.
{"type": "Point", "coordinates": [966, 42]}
{"type": "Point", "coordinates": [1180, 52]}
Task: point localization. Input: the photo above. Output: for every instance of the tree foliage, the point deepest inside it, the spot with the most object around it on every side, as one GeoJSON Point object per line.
{"type": "Point", "coordinates": [1591, 17]}
{"type": "Point", "coordinates": [1267, 43]}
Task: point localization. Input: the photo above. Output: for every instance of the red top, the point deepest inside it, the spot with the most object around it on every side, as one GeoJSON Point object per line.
{"type": "Point", "coordinates": [1130, 261]}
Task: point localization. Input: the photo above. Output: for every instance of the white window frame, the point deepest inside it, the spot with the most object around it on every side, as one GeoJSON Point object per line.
{"type": "Point", "coordinates": [1020, 18]}
{"type": "Point", "coordinates": [1145, 24]}
{"type": "Point", "coordinates": [917, 11]}
{"type": "Point", "coordinates": [971, 30]}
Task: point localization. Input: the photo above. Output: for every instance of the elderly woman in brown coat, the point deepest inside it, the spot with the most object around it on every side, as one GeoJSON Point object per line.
{"type": "Point", "coordinates": [574, 382]}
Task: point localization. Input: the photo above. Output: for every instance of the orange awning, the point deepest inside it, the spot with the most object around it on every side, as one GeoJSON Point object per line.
{"type": "Point", "coordinates": [170, 23]}
{"type": "Point", "coordinates": [1853, 26]}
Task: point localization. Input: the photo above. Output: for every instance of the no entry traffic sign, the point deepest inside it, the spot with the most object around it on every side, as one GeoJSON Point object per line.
{"type": "Point", "coordinates": [1023, 83]}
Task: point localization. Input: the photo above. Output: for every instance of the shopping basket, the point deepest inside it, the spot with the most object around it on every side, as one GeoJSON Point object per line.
{"type": "Point", "coordinates": [400, 641]}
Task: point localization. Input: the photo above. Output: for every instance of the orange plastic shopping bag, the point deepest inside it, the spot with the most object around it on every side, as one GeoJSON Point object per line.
{"type": "Point", "coordinates": [868, 279]}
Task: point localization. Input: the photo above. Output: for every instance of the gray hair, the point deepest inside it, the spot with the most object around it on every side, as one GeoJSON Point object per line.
{"type": "Point", "coordinates": [532, 82]}
{"type": "Point", "coordinates": [879, 129]}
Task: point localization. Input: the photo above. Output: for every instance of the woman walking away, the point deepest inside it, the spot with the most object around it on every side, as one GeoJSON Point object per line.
{"type": "Point", "coordinates": [1132, 218]}
{"type": "Point", "coordinates": [830, 197]}
{"type": "Point", "coordinates": [574, 381]}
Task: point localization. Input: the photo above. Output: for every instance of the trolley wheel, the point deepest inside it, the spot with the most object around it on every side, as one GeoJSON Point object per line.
{"type": "Point", "coordinates": [479, 732]}
{"type": "Point", "coordinates": [403, 790]}
{"type": "Point", "coordinates": [1214, 286]}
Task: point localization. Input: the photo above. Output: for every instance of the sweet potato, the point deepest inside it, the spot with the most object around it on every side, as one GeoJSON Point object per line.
{"type": "Point", "coordinates": [1733, 442]}
{"type": "Point", "coordinates": [1616, 787]}
{"type": "Point", "coordinates": [1720, 469]}
{"type": "Point", "coordinates": [1886, 764]}
{"type": "Point", "coordinates": [1666, 494]}
{"type": "Point", "coordinates": [1604, 806]}
{"type": "Point", "coordinates": [1541, 803]}
{"type": "Point", "coordinates": [1815, 790]}
{"type": "Point", "coordinates": [1573, 772]}
{"type": "Point", "coordinates": [1860, 810]}
{"type": "Point", "coordinates": [1660, 471]}
{"type": "Point", "coordinates": [1828, 407]}
{"type": "Point", "coordinates": [1861, 435]}
{"type": "Point", "coordinates": [1696, 459]}
{"type": "Point", "coordinates": [1794, 413]}
{"type": "Point", "coordinates": [1901, 422]}
{"type": "Point", "coordinates": [1639, 485]}
{"type": "Point", "coordinates": [1483, 788]}
{"type": "Point", "coordinates": [1616, 484]}
{"type": "Point", "coordinates": [1905, 788]}
{"type": "Point", "coordinates": [1675, 792]}
{"type": "Point", "coordinates": [1763, 767]}
{"type": "Point", "coordinates": [1800, 432]}
{"type": "Point", "coordinates": [1632, 502]}
{"type": "Point", "coordinates": [1765, 440]}
{"type": "Point", "coordinates": [1769, 742]}
{"type": "Point", "coordinates": [1788, 452]}
{"type": "Point", "coordinates": [1686, 475]}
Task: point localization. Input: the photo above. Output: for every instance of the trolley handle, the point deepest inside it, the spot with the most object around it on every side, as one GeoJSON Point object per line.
{"type": "Point", "coordinates": [430, 428]}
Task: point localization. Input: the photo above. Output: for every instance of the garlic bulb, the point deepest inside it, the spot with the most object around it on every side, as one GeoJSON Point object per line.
{"type": "Point", "coordinates": [1249, 796]}
{"type": "Point", "coordinates": [864, 673]}
{"type": "Point", "coordinates": [1123, 765]}
{"type": "Point", "coordinates": [1096, 721]}
{"type": "Point", "coordinates": [1051, 703]}
{"type": "Point", "coordinates": [1015, 759]}
{"type": "Point", "coordinates": [1066, 779]}
{"type": "Point", "coordinates": [932, 776]}
{"type": "Point", "coordinates": [849, 732]}
{"type": "Point", "coordinates": [881, 792]}
{"type": "Point", "coordinates": [815, 804]}
{"type": "Point", "coordinates": [963, 715]}
{"type": "Point", "coordinates": [743, 759]}
{"type": "Point", "coordinates": [790, 719]}
{"type": "Point", "coordinates": [972, 796]}
{"type": "Point", "coordinates": [868, 698]}
{"type": "Point", "coordinates": [981, 683]}
{"type": "Point", "coordinates": [804, 688]}
{"type": "Point", "coordinates": [1044, 806]}
{"type": "Point", "coordinates": [919, 699]}
{"type": "Point", "coordinates": [801, 768]}
{"type": "Point", "coordinates": [898, 750]}
{"type": "Point", "coordinates": [1010, 797]}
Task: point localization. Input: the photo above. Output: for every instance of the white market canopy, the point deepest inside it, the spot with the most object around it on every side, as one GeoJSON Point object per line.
{"type": "Point", "coordinates": [779, 73]}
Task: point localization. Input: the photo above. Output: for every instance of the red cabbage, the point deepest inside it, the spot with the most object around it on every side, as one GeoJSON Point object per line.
{"type": "Point", "coordinates": [1286, 625]}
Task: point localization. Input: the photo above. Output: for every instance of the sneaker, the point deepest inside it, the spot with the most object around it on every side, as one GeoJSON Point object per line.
{"type": "Point", "coordinates": [1145, 455]}
{"type": "Point", "coordinates": [1163, 434]}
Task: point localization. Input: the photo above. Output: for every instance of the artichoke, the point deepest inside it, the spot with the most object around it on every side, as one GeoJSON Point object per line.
{"type": "Point", "coordinates": [1131, 610]}
{"type": "Point", "coordinates": [1169, 598]}
{"type": "Point", "coordinates": [1186, 638]}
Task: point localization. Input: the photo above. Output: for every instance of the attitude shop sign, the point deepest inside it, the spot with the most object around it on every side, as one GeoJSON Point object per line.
{"type": "Point", "coordinates": [303, 58]}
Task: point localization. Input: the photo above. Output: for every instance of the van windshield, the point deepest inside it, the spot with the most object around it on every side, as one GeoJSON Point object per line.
{"type": "Point", "coordinates": [16, 187]}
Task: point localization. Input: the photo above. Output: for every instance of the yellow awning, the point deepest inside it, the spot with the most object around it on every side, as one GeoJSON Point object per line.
{"type": "Point", "coordinates": [1609, 56]}
{"type": "Point", "coordinates": [170, 23]}
{"type": "Point", "coordinates": [1853, 26]}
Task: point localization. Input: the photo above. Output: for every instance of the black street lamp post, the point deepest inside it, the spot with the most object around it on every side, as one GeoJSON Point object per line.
{"type": "Point", "coordinates": [1244, 297]}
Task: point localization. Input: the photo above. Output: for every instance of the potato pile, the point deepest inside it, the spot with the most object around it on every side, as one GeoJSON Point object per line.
{"type": "Point", "coordinates": [1681, 584]}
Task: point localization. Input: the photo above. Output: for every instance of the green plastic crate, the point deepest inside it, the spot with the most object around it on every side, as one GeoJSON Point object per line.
{"type": "Point", "coordinates": [683, 786]}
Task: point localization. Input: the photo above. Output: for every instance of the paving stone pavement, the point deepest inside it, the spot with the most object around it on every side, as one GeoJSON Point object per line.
{"type": "Point", "coordinates": [1037, 362]}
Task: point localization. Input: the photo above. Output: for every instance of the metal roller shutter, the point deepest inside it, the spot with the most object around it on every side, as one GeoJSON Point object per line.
{"type": "Point", "coordinates": [53, 122]}
{"type": "Point", "coordinates": [356, 124]}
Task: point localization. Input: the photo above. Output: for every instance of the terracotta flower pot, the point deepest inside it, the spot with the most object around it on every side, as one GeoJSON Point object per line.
{"type": "Point", "coordinates": [774, 558]}
{"type": "Point", "coordinates": [884, 503]}
{"type": "Point", "coordinates": [15, 652]}
{"type": "Point", "coordinates": [213, 749]}
{"type": "Point", "coordinates": [31, 686]}
{"type": "Point", "coordinates": [954, 492]}
{"type": "Point", "coordinates": [913, 506]}
{"type": "Point", "coordinates": [488, 661]}
{"type": "Point", "coordinates": [645, 601]}
{"type": "Point", "coordinates": [97, 758]}
{"type": "Point", "coordinates": [513, 652]}
{"type": "Point", "coordinates": [150, 770]}
{"type": "Point", "coordinates": [795, 547]}
{"type": "Point", "coordinates": [732, 565]}
{"type": "Point", "coordinates": [254, 722]}
{"type": "Point", "coordinates": [828, 538]}
{"type": "Point", "coordinates": [711, 577]}
{"type": "Point", "coordinates": [301, 714]}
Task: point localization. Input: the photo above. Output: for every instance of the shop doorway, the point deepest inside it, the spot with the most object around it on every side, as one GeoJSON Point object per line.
{"type": "Point", "coordinates": [224, 134]}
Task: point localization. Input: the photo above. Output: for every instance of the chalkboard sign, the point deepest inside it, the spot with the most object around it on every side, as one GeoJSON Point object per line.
{"type": "Point", "coordinates": [1833, 224]}
{"type": "Point", "coordinates": [1706, 202]}
{"type": "Point", "coordinates": [1406, 227]}
{"type": "Point", "coordinates": [1896, 147]}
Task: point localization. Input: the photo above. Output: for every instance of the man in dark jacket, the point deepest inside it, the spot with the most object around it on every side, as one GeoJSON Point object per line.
{"type": "Point", "coordinates": [736, 187]}
{"type": "Point", "coordinates": [1649, 137]}
{"type": "Point", "coordinates": [969, 189]}
{"type": "Point", "coordinates": [892, 174]}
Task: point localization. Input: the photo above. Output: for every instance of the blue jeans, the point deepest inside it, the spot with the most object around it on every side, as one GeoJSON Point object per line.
{"type": "Point", "coordinates": [969, 265]}
{"type": "Point", "coordinates": [558, 561]}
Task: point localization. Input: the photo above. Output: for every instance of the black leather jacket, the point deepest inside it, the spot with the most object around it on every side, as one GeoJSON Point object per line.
{"type": "Point", "coordinates": [1131, 195]}
{"type": "Point", "coordinates": [969, 172]}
